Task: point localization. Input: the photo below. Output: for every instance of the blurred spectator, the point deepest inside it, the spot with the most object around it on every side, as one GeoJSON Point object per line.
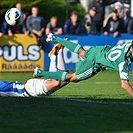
{"type": "Point", "coordinates": [35, 25]}
{"type": "Point", "coordinates": [87, 22]}
{"type": "Point", "coordinates": [125, 1]}
{"type": "Point", "coordinates": [53, 26]}
{"type": "Point", "coordinates": [85, 4]}
{"type": "Point", "coordinates": [1, 32]}
{"type": "Point", "coordinates": [126, 16]}
{"type": "Point", "coordinates": [7, 29]}
{"type": "Point", "coordinates": [19, 7]}
{"type": "Point", "coordinates": [72, 25]}
{"type": "Point", "coordinates": [97, 11]}
{"type": "Point", "coordinates": [130, 26]}
{"type": "Point", "coordinates": [118, 6]}
{"type": "Point", "coordinates": [20, 28]}
{"type": "Point", "coordinates": [114, 24]}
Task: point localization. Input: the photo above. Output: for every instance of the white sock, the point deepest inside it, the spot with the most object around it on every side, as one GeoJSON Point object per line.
{"type": "Point", "coordinates": [53, 67]}
{"type": "Point", "coordinates": [61, 63]}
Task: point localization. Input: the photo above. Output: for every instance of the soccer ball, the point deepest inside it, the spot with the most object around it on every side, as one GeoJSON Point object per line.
{"type": "Point", "coordinates": [13, 16]}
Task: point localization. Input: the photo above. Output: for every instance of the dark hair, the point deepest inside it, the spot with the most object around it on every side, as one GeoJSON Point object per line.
{"type": "Point", "coordinates": [114, 10]}
{"type": "Point", "coordinates": [34, 7]}
{"type": "Point", "coordinates": [74, 13]}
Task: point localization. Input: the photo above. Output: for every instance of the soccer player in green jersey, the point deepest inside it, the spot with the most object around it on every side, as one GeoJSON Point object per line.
{"type": "Point", "coordinates": [94, 60]}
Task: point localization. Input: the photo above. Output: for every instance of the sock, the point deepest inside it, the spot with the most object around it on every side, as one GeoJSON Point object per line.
{"type": "Point", "coordinates": [59, 75]}
{"type": "Point", "coordinates": [61, 62]}
{"type": "Point", "coordinates": [53, 67]}
{"type": "Point", "coordinates": [74, 47]}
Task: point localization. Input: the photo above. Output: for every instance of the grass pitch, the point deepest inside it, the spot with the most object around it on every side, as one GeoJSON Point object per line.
{"type": "Point", "coordinates": [97, 105]}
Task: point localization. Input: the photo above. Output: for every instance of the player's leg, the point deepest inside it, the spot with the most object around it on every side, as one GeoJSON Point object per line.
{"type": "Point", "coordinates": [59, 75]}
{"type": "Point", "coordinates": [54, 85]}
{"type": "Point", "coordinates": [60, 61]}
{"type": "Point", "coordinates": [36, 87]}
{"type": "Point", "coordinates": [84, 69]}
{"type": "Point", "coordinates": [57, 61]}
{"type": "Point", "coordinates": [52, 74]}
{"type": "Point", "coordinates": [53, 66]}
{"type": "Point", "coordinates": [74, 47]}
{"type": "Point", "coordinates": [46, 87]}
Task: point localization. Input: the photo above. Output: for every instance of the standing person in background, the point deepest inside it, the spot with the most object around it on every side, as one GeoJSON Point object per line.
{"type": "Point", "coordinates": [130, 26]}
{"type": "Point", "coordinates": [114, 24]}
{"type": "Point", "coordinates": [19, 7]}
{"type": "Point", "coordinates": [96, 12]}
{"type": "Point", "coordinates": [20, 28]}
{"type": "Point", "coordinates": [72, 25]}
{"type": "Point", "coordinates": [119, 7]}
{"type": "Point", "coordinates": [126, 17]}
{"type": "Point", "coordinates": [35, 24]}
{"type": "Point", "coordinates": [53, 26]}
{"type": "Point", "coordinates": [1, 33]}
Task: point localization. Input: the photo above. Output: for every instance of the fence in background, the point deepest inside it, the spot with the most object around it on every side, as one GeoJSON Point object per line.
{"type": "Point", "coordinates": [21, 53]}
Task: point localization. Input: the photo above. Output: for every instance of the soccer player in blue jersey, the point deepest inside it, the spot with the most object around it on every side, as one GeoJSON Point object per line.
{"type": "Point", "coordinates": [36, 87]}
{"type": "Point", "coordinates": [95, 59]}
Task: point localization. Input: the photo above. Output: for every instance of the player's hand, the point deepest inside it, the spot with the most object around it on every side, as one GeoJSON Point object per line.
{"type": "Point", "coordinates": [106, 33]}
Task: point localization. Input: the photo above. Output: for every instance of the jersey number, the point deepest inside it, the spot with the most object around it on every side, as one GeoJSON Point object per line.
{"type": "Point", "coordinates": [115, 54]}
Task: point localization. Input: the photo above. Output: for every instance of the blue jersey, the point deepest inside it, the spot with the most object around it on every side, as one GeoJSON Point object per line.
{"type": "Point", "coordinates": [17, 87]}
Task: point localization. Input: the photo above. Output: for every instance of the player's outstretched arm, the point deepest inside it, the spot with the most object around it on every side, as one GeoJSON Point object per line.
{"type": "Point", "coordinates": [127, 87]}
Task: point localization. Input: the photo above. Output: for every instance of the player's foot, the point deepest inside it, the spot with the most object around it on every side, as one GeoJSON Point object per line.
{"type": "Point", "coordinates": [36, 70]}
{"type": "Point", "coordinates": [55, 49]}
{"type": "Point", "coordinates": [50, 37]}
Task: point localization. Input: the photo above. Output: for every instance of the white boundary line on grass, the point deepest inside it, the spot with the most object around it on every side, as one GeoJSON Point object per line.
{"type": "Point", "coordinates": [96, 101]}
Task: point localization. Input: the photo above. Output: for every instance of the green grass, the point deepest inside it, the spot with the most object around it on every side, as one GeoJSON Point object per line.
{"type": "Point", "coordinates": [59, 113]}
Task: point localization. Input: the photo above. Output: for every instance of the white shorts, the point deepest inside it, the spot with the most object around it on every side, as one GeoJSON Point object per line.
{"type": "Point", "coordinates": [35, 87]}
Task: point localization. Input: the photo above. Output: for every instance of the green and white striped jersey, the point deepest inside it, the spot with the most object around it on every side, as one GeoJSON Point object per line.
{"type": "Point", "coordinates": [115, 58]}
